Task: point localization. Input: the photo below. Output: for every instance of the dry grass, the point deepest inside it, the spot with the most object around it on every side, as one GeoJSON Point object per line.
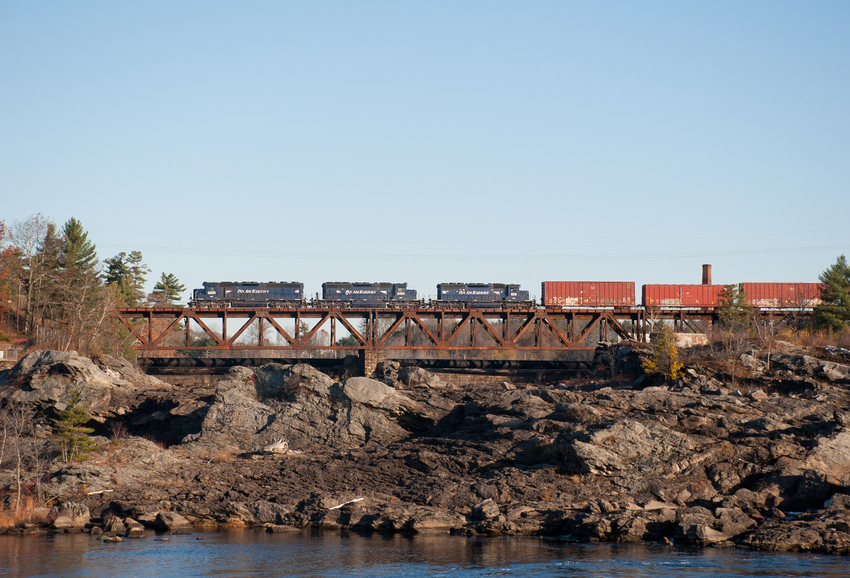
{"type": "Point", "coordinates": [157, 442]}
{"type": "Point", "coordinates": [808, 338]}
{"type": "Point", "coordinates": [221, 456]}
{"type": "Point", "coordinates": [9, 518]}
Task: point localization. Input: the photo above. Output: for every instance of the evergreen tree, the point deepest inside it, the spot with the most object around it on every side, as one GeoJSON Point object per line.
{"type": "Point", "coordinates": [116, 269]}
{"type": "Point", "coordinates": [46, 299]}
{"type": "Point", "coordinates": [76, 289]}
{"type": "Point", "coordinates": [834, 311]}
{"type": "Point", "coordinates": [169, 289]}
{"type": "Point", "coordinates": [733, 311]}
{"type": "Point", "coordinates": [75, 441]}
{"type": "Point", "coordinates": [77, 251]}
{"type": "Point", "coordinates": [119, 275]}
{"type": "Point", "coordinates": [138, 272]}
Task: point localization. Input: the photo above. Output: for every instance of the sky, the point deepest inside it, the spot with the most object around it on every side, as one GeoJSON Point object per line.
{"type": "Point", "coordinates": [429, 142]}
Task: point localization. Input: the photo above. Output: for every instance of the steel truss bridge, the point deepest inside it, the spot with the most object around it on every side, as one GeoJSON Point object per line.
{"type": "Point", "coordinates": [452, 336]}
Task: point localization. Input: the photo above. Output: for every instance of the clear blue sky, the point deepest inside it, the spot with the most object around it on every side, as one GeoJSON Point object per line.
{"type": "Point", "coordinates": [435, 141]}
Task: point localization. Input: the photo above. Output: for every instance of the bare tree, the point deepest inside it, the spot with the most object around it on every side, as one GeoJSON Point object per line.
{"type": "Point", "coordinates": [17, 419]}
{"type": "Point", "coordinates": [29, 262]}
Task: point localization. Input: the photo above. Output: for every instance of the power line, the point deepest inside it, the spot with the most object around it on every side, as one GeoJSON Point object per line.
{"type": "Point", "coordinates": [461, 258]}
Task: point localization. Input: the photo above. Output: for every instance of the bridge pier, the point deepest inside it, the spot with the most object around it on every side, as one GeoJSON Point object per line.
{"type": "Point", "coordinates": [370, 358]}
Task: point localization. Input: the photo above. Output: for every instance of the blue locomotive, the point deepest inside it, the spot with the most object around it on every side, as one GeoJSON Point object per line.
{"type": "Point", "coordinates": [230, 294]}
{"type": "Point", "coordinates": [481, 295]}
{"type": "Point", "coordinates": [369, 294]}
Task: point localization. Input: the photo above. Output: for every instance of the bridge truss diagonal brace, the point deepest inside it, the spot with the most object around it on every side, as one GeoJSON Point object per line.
{"type": "Point", "coordinates": [617, 327]}
{"type": "Point", "coordinates": [143, 340]}
{"type": "Point", "coordinates": [283, 333]}
{"type": "Point", "coordinates": [481, 320]}
{"type": "Point", "coordinates": [309, 335]}
{"type": "Point", "coordinates": [203, 326]}
{"type": "Point", "coordinates": [178, 316]}
{"type": "Point", "coordinates": [251, 318]}
{"type": "Point", "coordinates": [594, 323]}
{"type": "Point", "coordinates": [350, 328]}
{"type": "Point", "coordinates": [521, 330]}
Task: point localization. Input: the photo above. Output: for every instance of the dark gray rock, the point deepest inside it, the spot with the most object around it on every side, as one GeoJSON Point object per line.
{"type": "Point", "coordinates": [172, 522]}
{"type": "Point", "coordinates": [69, 515]}
{"type": "Point", "coordinates": [309, 409]}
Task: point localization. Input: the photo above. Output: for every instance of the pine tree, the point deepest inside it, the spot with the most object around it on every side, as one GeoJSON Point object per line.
{"type": "Point", "coordinates": [834, 311]}
{"type": "Point", "coordinates": [77, 251]}
{"type": "Point", "coordinates": [733, 311]}
{"type": "Point", "coordinates": [138, 272]}
{"type": "Point", "coordinates": [169, 289]}
{"type": "Point", "coordinates": [118, 274]}
{"type": "Point", "coordinates": [75, 441]}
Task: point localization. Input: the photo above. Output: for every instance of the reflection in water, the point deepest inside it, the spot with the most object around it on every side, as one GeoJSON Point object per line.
{"type": "Point", "coordinates": [308, 554]}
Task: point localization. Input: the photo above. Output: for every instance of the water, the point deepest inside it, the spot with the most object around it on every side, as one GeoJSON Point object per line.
{"type": "Point", "coordinates": [254, 553]}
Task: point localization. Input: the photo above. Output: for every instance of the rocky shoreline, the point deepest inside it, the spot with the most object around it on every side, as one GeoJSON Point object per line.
{"type": "Point", "coordinates": [763, 464]}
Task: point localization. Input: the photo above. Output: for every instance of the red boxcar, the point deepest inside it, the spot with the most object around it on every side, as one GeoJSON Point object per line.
{"type": "Point", "coordinates": [782, 295]}
{"type": "Point", "coordinates": [680, 295]}
{"type": "Point", "coordinates": [588, 293]}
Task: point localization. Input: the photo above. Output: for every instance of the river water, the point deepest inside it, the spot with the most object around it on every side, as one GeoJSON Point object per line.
{"type": "Point", "coordinates": [254, 553]}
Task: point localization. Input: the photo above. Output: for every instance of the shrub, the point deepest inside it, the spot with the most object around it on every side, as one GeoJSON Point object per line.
{"type": "Point", "coordinates": [665, 357]}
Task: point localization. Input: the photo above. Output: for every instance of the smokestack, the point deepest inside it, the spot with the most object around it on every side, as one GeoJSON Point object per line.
{"type": "Point", "coordinates": [706, 274]}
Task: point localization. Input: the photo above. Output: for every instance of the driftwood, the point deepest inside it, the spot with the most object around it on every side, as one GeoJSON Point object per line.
{"type": "Point", "coordinates": [338, 506]}
{"type": "Point", "coordinates": [281, 446]}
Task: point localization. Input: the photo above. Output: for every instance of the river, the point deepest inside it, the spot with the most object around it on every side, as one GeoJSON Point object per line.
{"type": "Point", "coordinates": [257, 554]}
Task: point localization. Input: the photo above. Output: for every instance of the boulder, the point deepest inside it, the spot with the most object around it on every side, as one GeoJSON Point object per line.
{"type": "Point", "coordinates": [592, 459]}
{"type": "Point", "coordinates": [648, 448]}
{"type": "Point", "coordinates": [831, 457]}
{"type": "Point", "coordinates": [433, 522]}
{"type": "Point", "coordinates": [416, 376]}
{"type": "Point", "coordinates": [114, 525]}
{"type": "Point", "coordinates": [69, 515]}
{"type": "Point", "coordinates": [134, 529]}
{"type": "Point", "coordinates": [388, 371]}
{"type": "Point", "coordinates": [172, 522]}
{"type": "Point", "coordinates": [485, 510]}
{"type": "Point", "coordinates": [835, 372]}
{"type": "Point", "coordinates": [52, 377]}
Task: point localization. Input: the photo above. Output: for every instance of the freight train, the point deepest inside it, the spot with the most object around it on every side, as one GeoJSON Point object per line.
{"type": "Point", "coordinates": [559, 294]}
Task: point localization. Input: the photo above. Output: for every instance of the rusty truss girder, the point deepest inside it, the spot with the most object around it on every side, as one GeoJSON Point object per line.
{"type": "Point", "coordinates": [169, 332]}
{"type": "Point", "coordinates": [405, 333]}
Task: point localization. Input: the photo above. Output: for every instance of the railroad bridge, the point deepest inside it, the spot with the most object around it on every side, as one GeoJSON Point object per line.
{"type": "Point", "coordinates": [439, 337]}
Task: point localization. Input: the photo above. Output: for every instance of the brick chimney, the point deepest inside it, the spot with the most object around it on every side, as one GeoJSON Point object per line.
{"type": "Point", "coordinates": [706, 274]}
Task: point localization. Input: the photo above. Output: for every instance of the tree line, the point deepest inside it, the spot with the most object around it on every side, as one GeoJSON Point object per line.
{"type": "Point", "coordinates": [52, 280]}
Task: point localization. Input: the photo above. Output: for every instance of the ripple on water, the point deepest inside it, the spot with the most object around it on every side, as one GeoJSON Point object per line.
{"type": "Point", "coordinates": [253, 553]}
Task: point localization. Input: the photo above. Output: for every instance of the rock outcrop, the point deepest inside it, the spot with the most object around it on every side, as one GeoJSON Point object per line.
{"type": "Point", "coordinates": [759, 463]}
{"type": "Point", "coordinates": [310, 410]}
